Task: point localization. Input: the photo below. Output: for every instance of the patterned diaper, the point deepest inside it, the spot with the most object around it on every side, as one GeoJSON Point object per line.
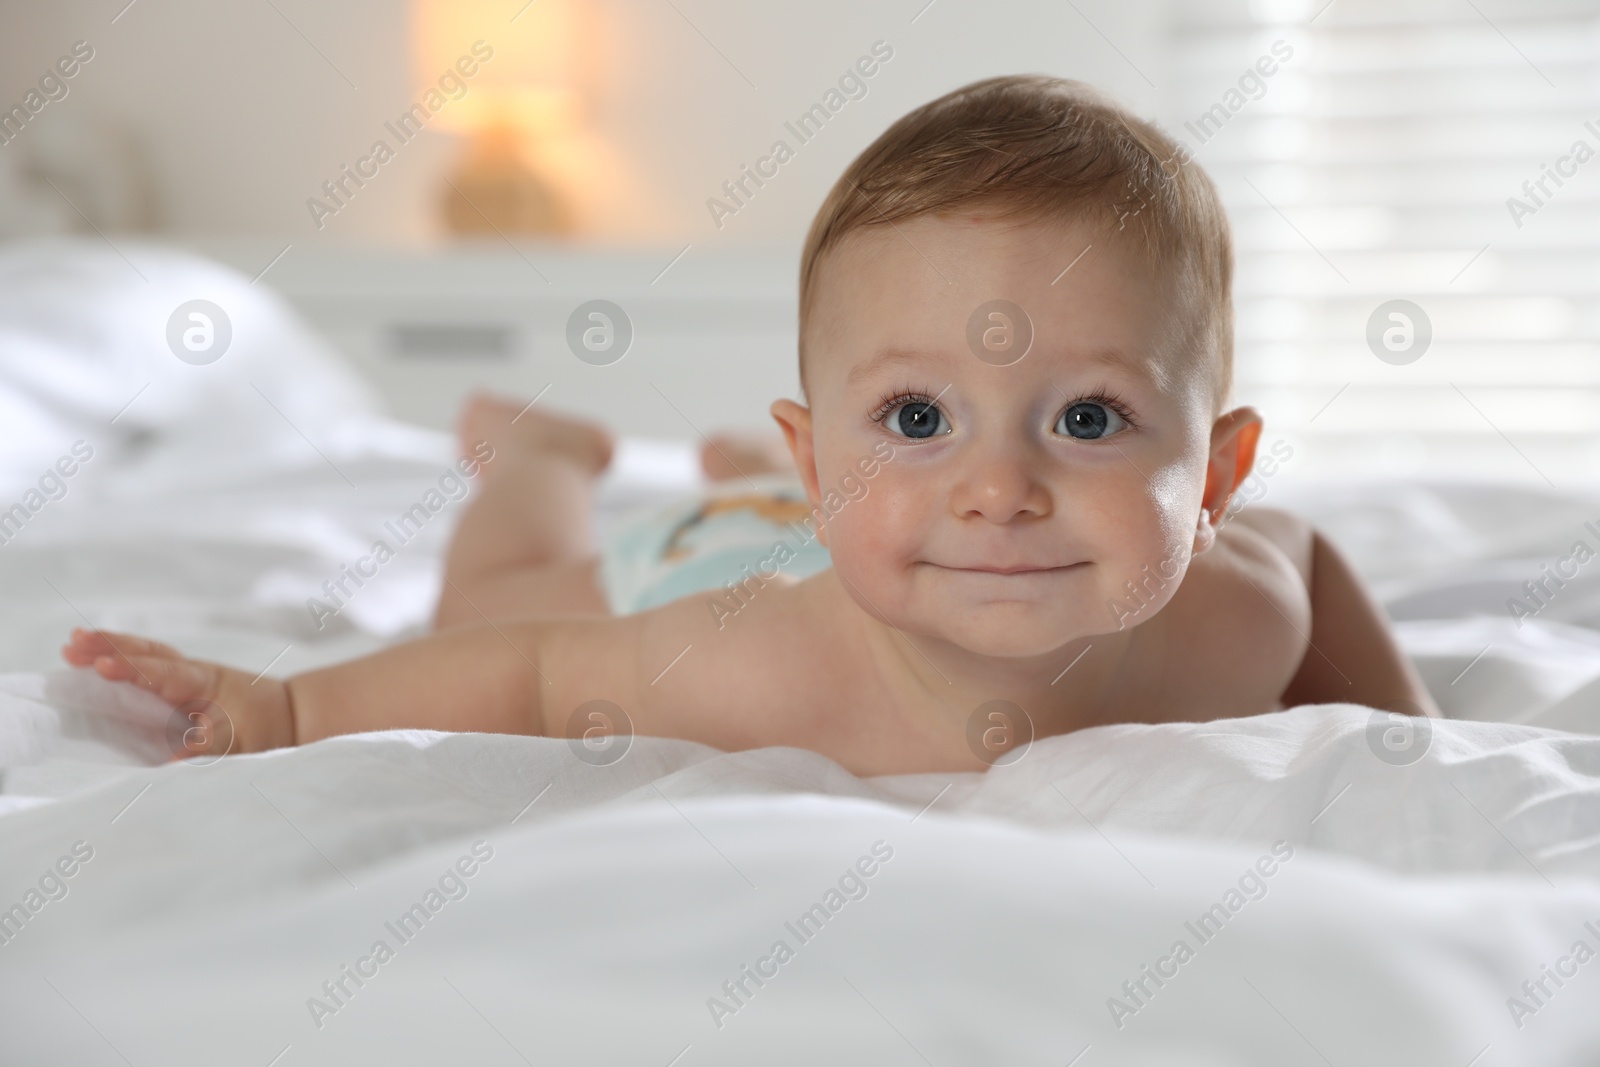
{"type": "Point", "coordinates": [724, 536]}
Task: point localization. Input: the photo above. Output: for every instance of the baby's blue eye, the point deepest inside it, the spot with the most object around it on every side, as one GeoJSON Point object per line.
{"type": "Point", "coordinates": [916, 420]}
{"type": "Point", "coordinates": [1088, 420]}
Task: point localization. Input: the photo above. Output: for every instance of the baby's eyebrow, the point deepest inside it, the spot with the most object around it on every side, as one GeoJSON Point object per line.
{"type": "Point", "coordinates": [1117, 357]}
{"type": "Point", "coordinates": [890, 356]}
{"type": "Point", "coordinates": [1131, 362]}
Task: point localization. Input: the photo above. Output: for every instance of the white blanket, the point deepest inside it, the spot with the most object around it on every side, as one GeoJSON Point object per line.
{"type": "Point", "coordinates": [1404, 907]}
{"type": "Point", "coordinates": [1414, 913]}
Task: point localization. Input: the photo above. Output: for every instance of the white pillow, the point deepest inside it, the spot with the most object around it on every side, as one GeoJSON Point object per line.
{"type": "Point", "coordinates": [83, 331]}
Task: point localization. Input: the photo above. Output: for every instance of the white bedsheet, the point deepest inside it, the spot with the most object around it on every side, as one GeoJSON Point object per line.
{"type": "Point", "coordinates": [619, 899]}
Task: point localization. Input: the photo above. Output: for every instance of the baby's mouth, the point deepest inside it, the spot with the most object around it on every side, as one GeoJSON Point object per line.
{"type": "Point", "coordinates": [1007, 570]}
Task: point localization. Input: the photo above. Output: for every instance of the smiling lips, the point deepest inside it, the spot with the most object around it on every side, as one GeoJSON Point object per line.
{"type": "Point", "coordinates": [1021, 568]}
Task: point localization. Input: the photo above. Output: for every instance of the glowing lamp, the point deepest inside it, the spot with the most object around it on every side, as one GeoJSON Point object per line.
{"type": "Point", "coordinates": [517, 108]}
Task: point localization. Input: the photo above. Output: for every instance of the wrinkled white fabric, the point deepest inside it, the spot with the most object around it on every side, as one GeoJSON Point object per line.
{"type": "Point", "coordinates": [620, 898]}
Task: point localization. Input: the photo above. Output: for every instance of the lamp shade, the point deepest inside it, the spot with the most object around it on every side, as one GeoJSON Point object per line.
{"type": "Point", "coordinates": [537, 78]}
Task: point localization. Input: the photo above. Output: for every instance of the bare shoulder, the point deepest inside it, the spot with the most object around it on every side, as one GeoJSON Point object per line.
{"type": "Point", "coordinates": [1259, 571]}
{"type": "Point", "coordinates": [1285, 531]}
{"type": "Point", "coordinates": [761, 676]}
{"type": "Point", "coordinates": [1244, 610]}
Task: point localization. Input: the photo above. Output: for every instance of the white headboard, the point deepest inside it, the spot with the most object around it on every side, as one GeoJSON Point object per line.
{"type": "Point", "coordinates": [713, 332]}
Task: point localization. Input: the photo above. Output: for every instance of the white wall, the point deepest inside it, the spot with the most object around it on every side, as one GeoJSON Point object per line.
{"type": "Point", "coordinates": [242, 119]}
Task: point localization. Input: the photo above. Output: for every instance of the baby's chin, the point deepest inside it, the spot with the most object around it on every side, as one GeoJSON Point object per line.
{"type": "Point", "coordinates": [1004, 629]}
{"type": "Point", "coordinates": [1009, 633]}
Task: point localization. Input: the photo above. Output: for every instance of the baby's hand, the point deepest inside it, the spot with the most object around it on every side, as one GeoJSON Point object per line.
{"type": "Point", "coordinates": [229, 712]}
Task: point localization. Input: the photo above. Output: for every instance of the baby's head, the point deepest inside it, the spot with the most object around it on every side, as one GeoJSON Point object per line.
{"type": "Point", "coordinates": [1024, 290]}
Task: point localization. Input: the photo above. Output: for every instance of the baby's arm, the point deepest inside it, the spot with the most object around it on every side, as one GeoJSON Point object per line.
{"type": "Point", "coordinates": [468, 679]}
{"type": "Point", "coordinates": [1354, 657]}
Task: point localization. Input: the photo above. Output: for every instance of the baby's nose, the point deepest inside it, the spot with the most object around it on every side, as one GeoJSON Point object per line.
{"type": "Point", "coordinates": [1000, 490]}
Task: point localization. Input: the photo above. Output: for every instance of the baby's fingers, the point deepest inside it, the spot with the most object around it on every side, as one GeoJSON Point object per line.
{"type": "Point", "coordinates": [86, 646]}
{"type": "Point", "coordinates": [177, 681]}
{"type": "Point", "coordinates": [199, 726]}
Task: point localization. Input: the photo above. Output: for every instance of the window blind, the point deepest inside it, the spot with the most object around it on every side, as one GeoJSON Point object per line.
{"type": "Point", "coordinates": [1404, 152]}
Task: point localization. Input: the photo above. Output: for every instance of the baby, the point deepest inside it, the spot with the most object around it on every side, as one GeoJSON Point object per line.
{"type": "Point", "coordinates": [1015, 352]}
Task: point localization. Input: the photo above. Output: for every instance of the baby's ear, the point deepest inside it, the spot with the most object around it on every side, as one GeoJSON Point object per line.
{"type": "Point", "coordinates": [1233, 452]}
{"type": "Point", "coordinates": [795, 421]}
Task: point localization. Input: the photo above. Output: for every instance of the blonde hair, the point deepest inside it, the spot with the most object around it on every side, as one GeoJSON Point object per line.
{"type": "Point", "coordinates": [1034, 146]}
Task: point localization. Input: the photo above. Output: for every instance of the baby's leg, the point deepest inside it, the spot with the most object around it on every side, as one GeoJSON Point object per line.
{"type": "Point", "coordinates": [524, 548]}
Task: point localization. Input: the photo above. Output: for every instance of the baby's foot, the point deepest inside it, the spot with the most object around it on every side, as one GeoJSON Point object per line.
{"type": "Point", "coordinates": [517, 427]}
{"type": "Point", "coordinates": [735, 455]}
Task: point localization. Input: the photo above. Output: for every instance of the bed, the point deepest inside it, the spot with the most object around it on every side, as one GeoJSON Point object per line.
{"type": "Point", "coordinates": [1307, 887]}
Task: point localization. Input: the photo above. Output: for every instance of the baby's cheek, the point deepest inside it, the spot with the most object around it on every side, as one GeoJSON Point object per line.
{"type": "Point", "coordinates": [1175, 494]}
{"type": "Point", "coordinates": [1156, 537]}
{"type": "Point", "coordinates": [872, 533]}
